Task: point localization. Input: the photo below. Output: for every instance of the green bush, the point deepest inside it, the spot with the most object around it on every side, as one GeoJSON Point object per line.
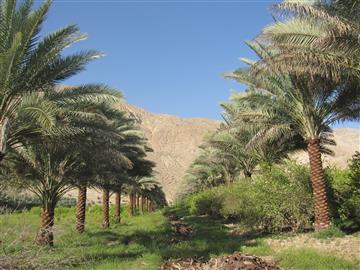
{"type": "Point", "coordinates": [278, 198]}
{"type": "Point", "coordinates": [205, 203]}
{"type": "Point", "coordinates": [344, 191]}
{"type": "Point", "coordinates": [16, 202]}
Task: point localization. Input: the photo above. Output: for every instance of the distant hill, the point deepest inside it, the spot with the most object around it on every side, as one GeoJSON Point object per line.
{"type": "Point", "coordinates": [175, 143]}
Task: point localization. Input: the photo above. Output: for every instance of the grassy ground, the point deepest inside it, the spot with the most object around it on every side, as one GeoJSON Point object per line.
{"type": "Point", "coordinates": [141, 242]}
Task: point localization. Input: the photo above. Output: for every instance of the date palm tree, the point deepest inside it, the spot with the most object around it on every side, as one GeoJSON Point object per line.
{"type": "Point", "coordinates": [292, 107]}
{"type": "Point", "coordinates": [30, 66]}
{"type": "Point", "coordinates": [47, 169]}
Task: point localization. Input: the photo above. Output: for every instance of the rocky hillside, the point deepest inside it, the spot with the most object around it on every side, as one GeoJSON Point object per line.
{"type": "Point", "coordinates": [175, 143]}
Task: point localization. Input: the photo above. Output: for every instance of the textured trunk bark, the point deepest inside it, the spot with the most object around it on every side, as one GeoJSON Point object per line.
{"type": "Point", "coordinates": [138, 202]}
{"type": "Point", "coordinates": [3, 129]}
{"type": "Point", "coordinates": [46, 235]}
{"type": "Point", "coordinates": [142, 204]}
{"type": "Point", "coordinates": [117, 207]}
{"type": "Point", "coordinates": [106, 222]}
{"type": "Point", "coordinates": [81, 210]}
{"type": "Point", "coordinates": [322, 219]}
{"type": "Point", "coordinates": [131, 204]}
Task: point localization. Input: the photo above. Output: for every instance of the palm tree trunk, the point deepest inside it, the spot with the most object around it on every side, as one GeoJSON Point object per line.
{"type": "Point", "coordinates": [131, 204]}
{"type": "Point", "coordinates": [117, 207]}
{"type": "Point", "coordinates": [3, 127]}
{"type": "Point", "coordinates": [138, 202]}
{"type": "Point", "coordinates": [106, 222]}
{"type": "Point", "coordinates": [46, 234]}
{"type": "Point", "coordinates": [81, 209]}
{"type": "Point", "coordinates": [142, 204]}
{"type": "Point", "coordinates": [322, 219]}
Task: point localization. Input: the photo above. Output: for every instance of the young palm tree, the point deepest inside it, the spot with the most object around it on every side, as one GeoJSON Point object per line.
{"type": "Point", "coordinates": [29, 65]}
{"type": "Point", "coordinates": [47, 169]}
{"type": "Point", "coordinates": [284, 106]}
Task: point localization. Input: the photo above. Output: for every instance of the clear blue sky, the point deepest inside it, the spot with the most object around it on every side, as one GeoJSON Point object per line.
{"type": "Point", "coordinates": [165, 56]}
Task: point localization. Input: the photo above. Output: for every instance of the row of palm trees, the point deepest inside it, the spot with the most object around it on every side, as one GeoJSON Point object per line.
{"type": "Point", "coordinates": [55, 138]}
{"type": "Point", "coordinates": [305, 80]}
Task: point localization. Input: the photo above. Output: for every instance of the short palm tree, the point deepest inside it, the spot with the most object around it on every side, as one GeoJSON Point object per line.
{"type": "Point", "coordinates": [47, 169]}
{"type": "Point", "coordinates": [290, 107]}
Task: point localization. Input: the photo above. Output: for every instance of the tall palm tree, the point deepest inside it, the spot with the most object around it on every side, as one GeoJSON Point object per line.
{"type": "Point", "coordinates": [293, 108]}
{"type": "Point", "coordinates": [31, 66]}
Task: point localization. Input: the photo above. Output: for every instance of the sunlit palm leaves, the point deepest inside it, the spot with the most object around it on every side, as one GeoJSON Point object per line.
{"type": "Point", "coordinates": [30, 66]}
{"type": "Point", "coordinates": [319, 38]}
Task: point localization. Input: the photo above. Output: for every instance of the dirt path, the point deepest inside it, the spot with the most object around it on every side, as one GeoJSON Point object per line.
{"type": "Point", "coordinates": [235, 261]}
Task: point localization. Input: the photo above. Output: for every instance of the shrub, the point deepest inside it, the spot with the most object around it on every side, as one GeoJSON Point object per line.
{"type": "Point", "coordinates": [344, 190]}
{"type": "Point", "coordinates": [285, 197]}
{"type": "Point", "coordinates": [16, 202]}
{"type": "Point", "coordinates": [278, 198]}
{"type": "Point", "coordinates": [205, 203]}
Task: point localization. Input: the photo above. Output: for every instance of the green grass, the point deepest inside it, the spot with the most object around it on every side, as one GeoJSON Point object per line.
{"type": "Point", "coordinates": [312, 259]}
{"type": "Point", "coordinates": [331, 232]}
{"type": "Point", "coordinates": [141, 242]}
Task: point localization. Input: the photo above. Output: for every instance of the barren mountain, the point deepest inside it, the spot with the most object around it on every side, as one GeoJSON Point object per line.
{"type": "Point", "coordinates": [175, 143]}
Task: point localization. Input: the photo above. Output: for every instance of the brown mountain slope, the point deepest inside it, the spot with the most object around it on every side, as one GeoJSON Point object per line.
{"type": "Point", "coordinates": [175, 143]}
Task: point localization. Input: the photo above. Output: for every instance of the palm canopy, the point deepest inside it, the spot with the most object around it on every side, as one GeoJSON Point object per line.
{"type": "Point", "coordinates": [122, 153]}
{"type": "Point", "coordinates": [319, 38]}
{"type": "Point", "coordinates": [47, 170]}
{"type": "Point", "coordinates": [31, 66]}
{"type": "Point", "coordinates": [289, 106]}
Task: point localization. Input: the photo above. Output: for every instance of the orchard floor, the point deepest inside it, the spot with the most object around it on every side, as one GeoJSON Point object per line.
{"type": "Point", "coordinates": [145, 241]}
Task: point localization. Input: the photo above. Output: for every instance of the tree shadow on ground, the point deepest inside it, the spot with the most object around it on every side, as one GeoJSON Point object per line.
{"type": "Point", "coordinates": [210, 237]}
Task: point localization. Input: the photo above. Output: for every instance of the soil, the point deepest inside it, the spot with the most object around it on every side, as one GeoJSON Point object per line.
{"type": "Point", "coordinates": [236, 261]}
